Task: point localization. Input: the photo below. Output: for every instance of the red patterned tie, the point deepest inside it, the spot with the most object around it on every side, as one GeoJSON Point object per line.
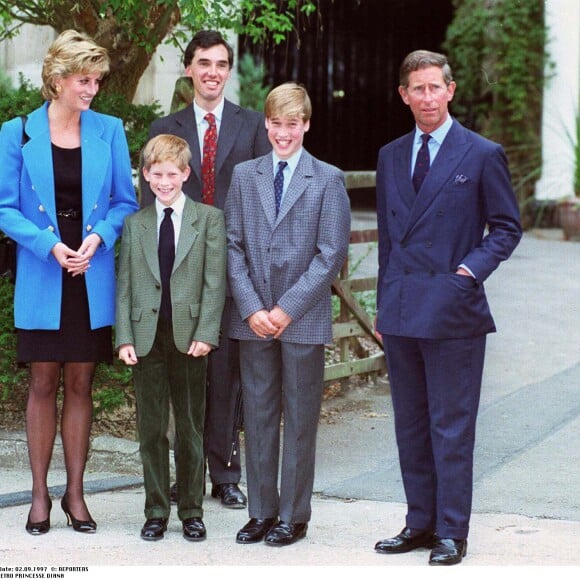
{"type": "Point", "coordinates": [208, 162]}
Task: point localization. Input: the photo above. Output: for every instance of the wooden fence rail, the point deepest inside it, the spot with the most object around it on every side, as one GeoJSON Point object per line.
{"type": "Point", "coordinates": [353, 321]}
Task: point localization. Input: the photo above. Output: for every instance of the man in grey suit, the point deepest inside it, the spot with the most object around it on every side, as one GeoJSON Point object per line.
{"type": "Point", "coordinates": [288, 228]}
{"type": "Point", "coordinates": [241, 135]}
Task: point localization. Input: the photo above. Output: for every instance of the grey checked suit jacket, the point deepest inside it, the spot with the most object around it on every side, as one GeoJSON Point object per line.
{"type": "Point", "coordinates": [197, 280]}
{"type": "Point", "coordinates": [290, 260]}
{"type": "Point", "coordinates": [242, 136]}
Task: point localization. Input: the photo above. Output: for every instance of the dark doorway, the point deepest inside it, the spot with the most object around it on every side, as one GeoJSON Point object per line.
{"type": "Point", "coordinates": [349, 62]}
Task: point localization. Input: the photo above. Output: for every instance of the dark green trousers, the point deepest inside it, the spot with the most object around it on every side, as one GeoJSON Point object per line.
{"type": "Point", "coordinates": [166, 375]}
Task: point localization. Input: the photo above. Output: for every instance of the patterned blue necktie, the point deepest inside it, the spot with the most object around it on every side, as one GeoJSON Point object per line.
{"type": "Point", "coordinates": [279, 184]}
{"type": "Point", "coordinates": [422, 163]}
{"type": "Point", "coordinates": [166, 259]}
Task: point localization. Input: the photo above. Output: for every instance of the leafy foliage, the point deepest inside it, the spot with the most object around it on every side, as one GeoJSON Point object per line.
{"type": "Point", "coordinates": [19, 101]}
{"type": "Point", "coordinates": [10, 375]}
{"type": "Point", "coordinates": [132, 30]}
{"type": "Point", "coordinates": [253, 92]}
{"type": "Point", "coordinates": [497, 50]}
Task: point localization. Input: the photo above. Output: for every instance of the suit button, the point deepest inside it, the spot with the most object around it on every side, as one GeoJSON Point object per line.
{"type": "Point", "coordinates": [89, 228]}
{"type": "Point", "coordinates": [429, 244]}
{"type": "Point", "coordinates": [154, 310]}
{"type": "Point", "coordinates": [51, 228]}
{"type": "Point", "coordinates": [41, 208]}
{"type": "Point", "coordinates": [158, 286]}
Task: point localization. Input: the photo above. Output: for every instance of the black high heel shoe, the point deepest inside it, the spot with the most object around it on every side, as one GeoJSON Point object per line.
{"type": "Point", "coordinates": [39, 528]}
{"type": "Point", "coordinates": [85, 526]}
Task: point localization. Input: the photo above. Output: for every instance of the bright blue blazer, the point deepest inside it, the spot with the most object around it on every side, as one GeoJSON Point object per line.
{"type": "Point", "coordinates": [28, 213]}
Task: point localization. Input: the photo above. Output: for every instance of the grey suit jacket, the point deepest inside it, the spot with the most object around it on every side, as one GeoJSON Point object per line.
{"type": "Point", "coordinates": [197, 280]}
{"type": "Point", "coordinates": [242, 136]}
{"type": "Point", "coordinates": [290, 260]}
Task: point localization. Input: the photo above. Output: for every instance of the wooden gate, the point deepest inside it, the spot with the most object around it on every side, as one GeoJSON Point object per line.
{"type": "Point", "coordinates": [353, 321]}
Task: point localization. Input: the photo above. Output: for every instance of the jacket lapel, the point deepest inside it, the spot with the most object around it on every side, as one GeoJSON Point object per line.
{"type": "Point", "coordinates": [188, 232]}
{"type": "Point", "coordinates": [297, 186]}
{"type": "Point", "coordinates": [37, 159]}
{"type": "Point", "coordinates": [403, 180]}
{"type": "Point", "coordinates": [96, 157]}
{"type": "Point", "coordinates": [148, 239]}
{"type": "Point", "coordinates": [451, 152]}
{"type": "Point", "coordinates": [184, 125]}
{"type": "Point", "coordinates": [230, 126]}
{"type": "Point", "coordinates": [265, 188]}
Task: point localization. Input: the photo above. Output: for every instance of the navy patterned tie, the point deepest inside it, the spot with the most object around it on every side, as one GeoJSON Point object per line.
{"type": "Point", "coordinates": [166, 259]}
{"type": "Point", "coordinates": [422, 163]}
{"type": "Point", "coordinates": [279, 184]}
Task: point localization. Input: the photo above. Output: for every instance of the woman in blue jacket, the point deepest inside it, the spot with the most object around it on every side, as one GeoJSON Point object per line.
{"type": "Point", "coordinates": [66, 188]}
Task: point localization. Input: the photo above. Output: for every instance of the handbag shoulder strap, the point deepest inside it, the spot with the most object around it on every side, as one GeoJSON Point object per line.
{"type": "Point", "coordinates": [25, 137]}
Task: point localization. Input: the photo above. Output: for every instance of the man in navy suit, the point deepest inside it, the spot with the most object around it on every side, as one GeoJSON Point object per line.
{"type": "Point", "coordinates": [447, 216]}
{"type": "Point", "coordinates": [241, 135]}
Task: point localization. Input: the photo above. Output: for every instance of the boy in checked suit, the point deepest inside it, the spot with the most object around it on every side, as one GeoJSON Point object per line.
{"type": "Point", "coordinates": [288, 228]}
{"type": "Point", "coordinates": [170, 297]}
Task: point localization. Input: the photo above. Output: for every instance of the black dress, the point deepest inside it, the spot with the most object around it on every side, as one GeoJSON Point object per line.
{"type": "Point", "coordinates": [74, 341]}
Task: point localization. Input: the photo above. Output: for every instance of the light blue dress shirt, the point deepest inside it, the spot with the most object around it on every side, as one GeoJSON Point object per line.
{"type": "Point", "coordinates": [288, 170]}
{"type": "Point", "coordinates": [437, 137]}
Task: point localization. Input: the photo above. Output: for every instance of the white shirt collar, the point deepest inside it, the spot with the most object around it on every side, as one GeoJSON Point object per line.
{"type": "Point", "coordinates": [201, 113]}
{"type": "Point", "coordinates": [292, 161]}
{"type": "Point", "coordinates": [177, 206]}
{"type": "Point", "coordinates": [439, 134]}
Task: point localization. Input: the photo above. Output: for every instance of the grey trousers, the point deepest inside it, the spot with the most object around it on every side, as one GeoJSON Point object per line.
{"type": "Point", "coordinates": [281, 379]}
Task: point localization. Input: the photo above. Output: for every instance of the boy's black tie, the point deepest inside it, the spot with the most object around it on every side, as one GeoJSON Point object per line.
{"type": "Point", "coordinates": [166, 259]}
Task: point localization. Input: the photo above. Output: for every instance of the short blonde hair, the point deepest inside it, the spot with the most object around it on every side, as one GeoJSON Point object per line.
{"type": "Point", "coordinates": [288, 100]}
{"type": "Point", "coordinates": [72, 53]}
{"type": "Point", "coordinates": [164, 148]}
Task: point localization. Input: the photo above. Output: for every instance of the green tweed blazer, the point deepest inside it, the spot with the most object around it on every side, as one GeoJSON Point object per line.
{"type": "Point", "coordinates": [198, 279]}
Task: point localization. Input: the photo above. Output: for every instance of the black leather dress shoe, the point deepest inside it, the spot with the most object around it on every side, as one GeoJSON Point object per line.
{"type": "Point", "coordinates": [255, 530]}
{"type": "Point", "coordinates": [409, 539]}
{"type": "Point", "coordinates": [194, 529]}
{"type": "Point", "coordinates": [447, 552]}
{"type": "Point", "coordinates": [285, 533]}
{"type": "Point", "coordinates": [231, 495]}
{"type": "Point", "coordinates": [154, 529]}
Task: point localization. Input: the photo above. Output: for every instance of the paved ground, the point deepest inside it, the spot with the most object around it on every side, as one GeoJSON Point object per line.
{"type": "Point", "coordinates": [527, 472]}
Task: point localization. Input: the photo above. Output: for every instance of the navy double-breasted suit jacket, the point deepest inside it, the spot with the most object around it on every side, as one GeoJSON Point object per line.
{"type": "Point", "coordinates": [465, 213]}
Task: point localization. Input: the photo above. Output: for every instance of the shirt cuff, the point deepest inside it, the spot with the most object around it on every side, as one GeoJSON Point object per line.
{"type": "Point", "coordinates": [468, 270]}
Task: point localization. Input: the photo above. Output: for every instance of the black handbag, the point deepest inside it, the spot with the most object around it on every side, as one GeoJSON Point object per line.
{"type": "Point", "coordinates": [7, 258]}
{"type": "Point", "coordinates": [8, 245]}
